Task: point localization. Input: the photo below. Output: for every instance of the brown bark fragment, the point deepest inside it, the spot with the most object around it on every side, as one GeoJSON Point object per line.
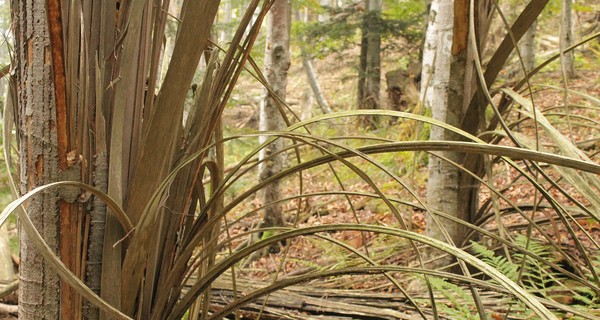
{"type": "Point", "coordinates": [29, 50]}
{"type": "Point", "coordinates": [58, 68]}
{"type": "Point", "coordinates": [39, 166]}
{"type": "Point", "coordinates": [68, 227]}
{"type": "Point", "coordinates": [460, 35]}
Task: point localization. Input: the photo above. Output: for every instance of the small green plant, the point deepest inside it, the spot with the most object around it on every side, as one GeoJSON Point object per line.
{"type": "Point", "coordinates": [540, 278]}
{"type": "Point", "coordinates": [460, 304]}
{"type": "Point", "coordinates": [502, 264]}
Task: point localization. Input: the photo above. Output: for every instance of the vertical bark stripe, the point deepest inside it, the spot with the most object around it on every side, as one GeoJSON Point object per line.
{"type": "Point", "coordinates": [67, 237]}
{"type": "Point", "coordinates": [460, 35]}
{"type": "Point", "coordinates": [58, 69]}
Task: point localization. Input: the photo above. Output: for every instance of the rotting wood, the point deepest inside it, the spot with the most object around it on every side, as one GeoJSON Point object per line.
{"type": "Point", "coordinates": [314, 302]}
{"type": "Point", "coordinates": [299, 302]}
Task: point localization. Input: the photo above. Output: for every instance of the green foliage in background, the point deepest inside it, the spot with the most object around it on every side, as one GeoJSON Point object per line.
{"type": "Point", "coordinates": [341, 29]}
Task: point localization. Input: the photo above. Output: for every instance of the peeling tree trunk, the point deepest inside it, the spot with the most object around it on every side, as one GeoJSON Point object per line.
{"type": "Point", "coordinates": [566, 38]}
{"type": "Point", "coordinates": [39, 289]}
{"type": "Point", "coordinates": [277, 63]}
{"type": "Point", "coordinates": [443, 86]}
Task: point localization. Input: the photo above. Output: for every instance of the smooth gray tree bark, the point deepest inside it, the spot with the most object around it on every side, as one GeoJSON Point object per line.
{"type": "Point", "coordinates": [442, 88]}
{"type": "Point", "coordinates": [566, 38]}
{"type": "Point", "coordinates": [527, 47]}
{"type": "Point", "coordinates": [311, 74]}
{"type": "Point", "coordinates": [277, 63]}
{"type": "Point", "coordinates": [224, 34]}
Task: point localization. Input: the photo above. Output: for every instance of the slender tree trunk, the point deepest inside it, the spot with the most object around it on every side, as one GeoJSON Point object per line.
{"type": "Point", "coordinates": [566, 38]}
{"type": "Point", "coordinates": [306, 103]}
{"type": "Point", "coordinates": [103, 36]}
{"type": "Point", "coordinates": [362, 64]}
{"type": "Point", "coordinates": [527, 47]}
{"type": "Point", "coordinates": [39, 289]}
{"type": "Point", "coordinates": [373, 81]}
{"type": "Point", "coordinates": [227, 13]}
{"type": "Point", "coordinates": [277, 63]}
{"type": "Point", "coordinates": [311, 74]}
{"type": "Point", "coordinates": [443, 83]}
{"type": "Point", "coordinates": [370, 62]}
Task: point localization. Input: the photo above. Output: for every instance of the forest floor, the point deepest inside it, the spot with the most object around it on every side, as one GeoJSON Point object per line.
{"type": "Point", "coordinates": [304, 255]}
{"type": "Point", "coordinates": [339, 88]}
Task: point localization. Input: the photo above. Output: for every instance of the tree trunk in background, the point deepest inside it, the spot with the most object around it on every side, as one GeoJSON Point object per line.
{"type": "Point", "coordinates": [443, 86]}
{"type": "Point", "coordinates": [370, 62]}
{"type": "Point", "coordinates": [225, 21]}
{"type": "Point", "coordinates": [277, 63]}
{"type": "Point", "coordinates": [39, 288]}
{"type": "Point", "coordinates": [307, 99]}
{"type": "Point", "coordinates": [362, 65]}
{"type": "Point", "coordinates": [527, 48]}
{"type": "Point", "coordinates": [566, 37]}
{"type": "Point", "coordinates": [311, 75]}
{"type": "Point", "coordinates": [373, 83]}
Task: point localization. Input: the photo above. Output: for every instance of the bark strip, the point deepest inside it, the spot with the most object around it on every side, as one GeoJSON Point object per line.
{"type": "Point", "coordinates": [67, 211]}
{"type": "Point", "coordinates": [58, 70]}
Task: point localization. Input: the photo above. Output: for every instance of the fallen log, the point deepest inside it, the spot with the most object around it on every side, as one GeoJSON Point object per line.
{"type": "Point", "coordinates": [310, 302]}
{"type": "Point", "coordinates": [303, 303]}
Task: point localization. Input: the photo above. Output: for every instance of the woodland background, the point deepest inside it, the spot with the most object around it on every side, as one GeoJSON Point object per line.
{"type": "Point", "coordinates": [333, 159]}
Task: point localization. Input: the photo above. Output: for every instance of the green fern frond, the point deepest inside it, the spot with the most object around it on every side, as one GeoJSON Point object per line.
{"type": "Point", "coordinates": [459, 300]}
{"type": "Point", "coordinates": [535, 274]}
{"type": "Point", "coordinates": [500, 263]}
